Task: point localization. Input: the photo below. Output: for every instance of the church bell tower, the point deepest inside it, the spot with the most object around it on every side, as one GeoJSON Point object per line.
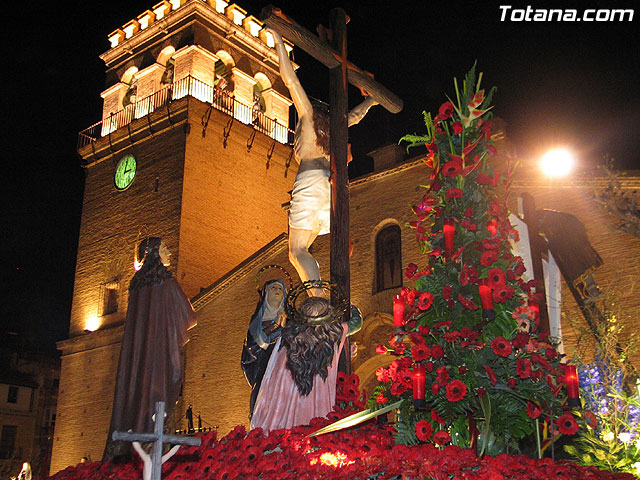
{"type": "Point", "coordinates": [193, 146]}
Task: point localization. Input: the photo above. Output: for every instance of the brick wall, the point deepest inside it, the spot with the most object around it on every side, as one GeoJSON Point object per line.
{"type": "Point", "coordinates": [87, 383]}
{"type": "Point", "coordinates": [232, 200]}
{"type": "Point", "coordinates": [111, 220]}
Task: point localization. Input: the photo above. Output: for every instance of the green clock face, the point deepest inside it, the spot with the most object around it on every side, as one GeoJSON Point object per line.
{"type": "Point", "coordinates": [125, 172]}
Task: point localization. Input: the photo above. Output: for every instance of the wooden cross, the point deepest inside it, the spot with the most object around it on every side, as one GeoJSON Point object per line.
{"type": "Point", "coordinates": [158, 438]}
{"type": "Point", "coordinates": [341, 71]}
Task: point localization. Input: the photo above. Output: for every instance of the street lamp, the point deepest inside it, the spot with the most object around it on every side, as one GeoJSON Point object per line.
{"type": "Point", "coordinates": [557, 162]}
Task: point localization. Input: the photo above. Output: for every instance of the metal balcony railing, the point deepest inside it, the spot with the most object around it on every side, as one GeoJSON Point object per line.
{"type": "Point", "coordinates": [218, 99]}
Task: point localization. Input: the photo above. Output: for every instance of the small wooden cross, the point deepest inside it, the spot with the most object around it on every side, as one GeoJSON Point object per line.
{"type": "Point", "coordinates": [158, 438]}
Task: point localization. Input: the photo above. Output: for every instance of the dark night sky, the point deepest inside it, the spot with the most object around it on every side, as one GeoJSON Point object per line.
{"type": "Point", "coordinates": [572, 83]}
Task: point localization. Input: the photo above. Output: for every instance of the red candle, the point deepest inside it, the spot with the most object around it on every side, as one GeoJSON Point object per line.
{"type": "Point", "coordinates": [449, 230]}
{"type": "Point", "coordinates": [493, 228]}
{"type": "Point", "coordinates": [571, 377]}
{"type": "Point", "coordinates": [484, 288]}
{"type": "Point", "coordinates": [418, 386]}
{"type": "Point", "coordinates": [398, 311]}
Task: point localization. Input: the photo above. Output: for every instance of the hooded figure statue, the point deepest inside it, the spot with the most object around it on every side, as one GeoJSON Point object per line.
{"type": "Point", "coordinates": [155, 330]}
{"type": "Point", "coordinates": [264, 329]}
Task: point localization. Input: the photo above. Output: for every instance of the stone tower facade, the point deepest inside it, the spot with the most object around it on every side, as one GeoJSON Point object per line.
{"type": "Point", "coordinates": [192, 147]}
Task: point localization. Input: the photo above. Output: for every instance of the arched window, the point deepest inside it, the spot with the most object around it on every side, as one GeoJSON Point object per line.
{"type": "Point", "coordinates": [129, 79]}
{"type": "Point", "coordinates": [223, 79]}
{"type": "Point", "coordinates": [388, 258]}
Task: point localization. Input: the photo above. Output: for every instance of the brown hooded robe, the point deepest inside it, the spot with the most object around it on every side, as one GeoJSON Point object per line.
{"type": "Point", "coordinates": [150, 367]}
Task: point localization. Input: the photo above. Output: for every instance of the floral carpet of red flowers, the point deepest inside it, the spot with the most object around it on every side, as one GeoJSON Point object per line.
{"type": "Point", "coordinates": [363, 453]}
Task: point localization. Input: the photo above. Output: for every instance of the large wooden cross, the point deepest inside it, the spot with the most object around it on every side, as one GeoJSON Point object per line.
{"type": "Point", "coordinates": [341, 71]}
{"type": "Point", "coordinates": [158, 438]}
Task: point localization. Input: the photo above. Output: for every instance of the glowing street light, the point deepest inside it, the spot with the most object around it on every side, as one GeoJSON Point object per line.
{"type": "Point", "coordinates": [557, 163]}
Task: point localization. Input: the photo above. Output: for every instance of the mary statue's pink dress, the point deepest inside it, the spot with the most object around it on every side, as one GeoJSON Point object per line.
{"type": "Point", "coordinates": [280, 404]}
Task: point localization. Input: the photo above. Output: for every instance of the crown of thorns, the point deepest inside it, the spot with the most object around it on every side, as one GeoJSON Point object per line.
{"type": "Point", "coordinates": [333, 312]}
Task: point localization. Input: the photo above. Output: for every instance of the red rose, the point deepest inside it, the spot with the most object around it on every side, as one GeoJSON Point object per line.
{"type": "Point", "coordinates": [468, 212]}
{"type": "Point", "coordinates": [420, 352]}
{"type": "Point", "coordinates": [481, 392]}
{"type": "Point", "coordinates": [501, 346]}
{"type": "Point", "coordinates": [567, 424]}
{"type": "Point", "coordinates": [533, 410]}
{"type": "Point", "coordinates": [523, 368]}
{"type": "Point", "coordinates": [456, 391]}
{"type": "Point", "coordinates": [429, 366]}
{"type": "Point", "coordinates": [454, 193]}
{"type": "Point", "coordinates": [550, 353]}
{"type": "Point", "coordinates": [488, 258]}
{"type": "Point", "coordinates": [425, 300]}
{"type": "Point", "coordinates": [411, 270]}
{"type": "Point", "coordinates": [424, 430]}
{"type": "Point", "coordinates": [446, 292]}
{"type": "Point", "coordinates": [521, 340]}
{"type": "Point", "coordinates": [452, 168]}
{"type": "Point", "coordinates": [441, 437]}
{"type": "Point", "coordinates": [462, 370]}
{"type": "Point", "coordinates": [497, 277]}
{"type": "Point", "coordinates": [511, 382]}
{"type": "Point", "coordinates": [424, 330]}
{"type": "Point", "coordinates": [411, 297]}
{"type": "Point", "coordinates": [491, 374]}
{"type": "Point", "coordinates": [457, 128]}
{"type": "Point", "coordinates": [435, 388]}
{"type": "Point", "coordinates": [380, 399]}
{"type": "Point", "coordinates": [445, 111]}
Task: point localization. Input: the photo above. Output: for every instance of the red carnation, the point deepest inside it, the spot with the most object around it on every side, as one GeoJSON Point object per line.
{"type": "Point", "coordinates": [533, 410]}
{"type": "Point", "coordinates": [425, 300]}
{"type": "Point", "coordinates": [550, 353]}
{"type": "Point", "coordinates": [466, 302]}
{"type": "Point", "coordinates": [491, 374]}
{"type": "Point", "coordinates": [411, 270]}
{"type": "Point", "coordinates": [437, 351]}
{"type": "Point", "coordinates": [523, 368]}
{"type": "Point", "coordinates": [468, 275]}
{"type": "Point", "coordinates": [468, 212]}
{"type": "Point", "coordinates": [452, 168]}
{"type": "Point", "coordinates": [488, 258]}
{"type": "Point", "coordinates": [454, 193]}
{"type": "Point", "coordinates": [567, 424]}
{"type": "Point", "coordinates": [435, 388]}
{"type": "Point", "coordinates": [424, 430]}
{"type": "Point", "coordinates": [521, 340]}
{"type": "Point", "coordinates": [442, 375]}
{"type": "Point", "coordinates": [445, 111]}
{"type": "Point", "coordinates": [420, 352]}
{"type": "Point", "coordinates": [441, 437]}
{"type": "Point", "coordinates": [380, 399]}
{"type": "Point", "coordinates": [456, 391]}
{"type": "Point", "coordinates": [435, 416]}
{"type": "Point", "coordinates": [497, 277]}
{"type": "Point", "coordinates": [501, 346]}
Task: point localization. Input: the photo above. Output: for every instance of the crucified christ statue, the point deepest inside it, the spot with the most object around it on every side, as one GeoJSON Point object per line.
{"type": "Point", "coordinates": [310, 209]}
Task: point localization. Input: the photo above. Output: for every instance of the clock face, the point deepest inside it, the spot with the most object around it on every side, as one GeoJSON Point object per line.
{"type": "Point", "coordinates": [125, 172]}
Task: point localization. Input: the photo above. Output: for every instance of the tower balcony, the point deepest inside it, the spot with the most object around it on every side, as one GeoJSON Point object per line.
{"type": "Point", "coordinates": [187, 87]}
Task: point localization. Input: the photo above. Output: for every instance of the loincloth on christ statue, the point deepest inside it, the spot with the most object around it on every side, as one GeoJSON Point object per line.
{"type": "Point", "coordinates": [311, 200]}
